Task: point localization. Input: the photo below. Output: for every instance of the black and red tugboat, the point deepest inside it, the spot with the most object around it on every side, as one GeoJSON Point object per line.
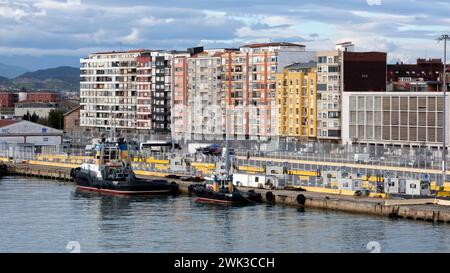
{"type": "Point", "coordinates": [112, 173]}
{"type": "Point", "coordinates": [220, 190]}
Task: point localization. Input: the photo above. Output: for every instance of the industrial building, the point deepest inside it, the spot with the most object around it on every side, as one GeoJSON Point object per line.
{"type": "Point", "coordinates": [41, 109]}
{"type": "Point", "coordinates": [25, 132]}
{"type": "Point", "coordinates": [393, 118]}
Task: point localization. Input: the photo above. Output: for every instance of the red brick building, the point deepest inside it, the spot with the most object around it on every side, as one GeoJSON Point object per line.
{"type": "Point", "coordinates": [43, 97]}
{"type": "Point", "coordinates": [364, 71]}
{"type": "Point", "coordinates": [7, 99]}
{"type": "Point", "coordinates": [425, 75]}
{"type": "Point", "coordinates": [72, 120]}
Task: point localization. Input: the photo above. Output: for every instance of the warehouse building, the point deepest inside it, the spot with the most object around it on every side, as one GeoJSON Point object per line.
{"type": "Point", "coordinates": [25, 132]}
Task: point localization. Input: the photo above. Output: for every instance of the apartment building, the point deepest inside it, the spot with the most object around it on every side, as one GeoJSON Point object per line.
{"type": "Point", "coordinates": [329, 66]}
{"type": "Point", "coordinates": [180, 97]}
{"type": "Point", "coordinates": [180, 90]}
{"type": "Point", "coordinates": [131, 89]}
{"type": "Point", "coordinates": [108, 90]}
{"type": "Point", "coordinates": [248, 82]}
{"type": "Point", "coordinates": [296, 93]}
{"type": "Point", "coordinates": [206, 104]}
{"type": "Point", "coordinates": [393, 118]}
{"type": "Point", "coordinates": [340, 71]}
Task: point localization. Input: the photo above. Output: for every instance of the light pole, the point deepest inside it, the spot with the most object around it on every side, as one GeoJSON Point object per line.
{"type": "Point", "coordinates": [444, 38]}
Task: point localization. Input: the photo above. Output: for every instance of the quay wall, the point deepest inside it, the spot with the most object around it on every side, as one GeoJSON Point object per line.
{"type": "Point", "coordinates": [425, 210]}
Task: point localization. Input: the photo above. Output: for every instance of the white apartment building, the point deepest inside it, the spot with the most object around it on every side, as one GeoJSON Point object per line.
{"type": "Point", "coordinates": [130, 89]}
{"type": "Point", "coordinates": [328, 94]}
{"type": "Point", "coordinates": [206, 116]}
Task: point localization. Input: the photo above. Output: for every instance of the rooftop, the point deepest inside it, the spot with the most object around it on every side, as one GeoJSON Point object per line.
{"type": "Point", "coordinates": [127, 51]}
{"type": "Point", "coordinates": [73, 110]}
{"type": "Point", "coordinates": [272, 44]}
{"type": "Point", "coordinates": [295, 66]}
{"type": "Point", "coordinates": [7, 122]}
{"type": "Point", "coordinates": [34, 104]}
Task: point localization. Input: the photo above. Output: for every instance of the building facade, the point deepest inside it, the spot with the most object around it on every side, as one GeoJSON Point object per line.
{"type": "Point", "coordinates": [179, 98]}
{"type": "Point", "coordinates": [296, 94]}
{"type": "Point", "coordinates": [42, 110]}
{"type": "Point", "coordinates": [425, 75]}
{"type": "Point", "coordinates": [72, 121]}
{"type": "Point", "coordinates": [130, 89]}
{"type": "Point", "coordinates": [344, 70]}
{"type": "Point", "coordinates": [25, 132]}
{"type": "Point", "coordinates": [329, 66]}
{"type": "Point", "coordinates": [394, 118]}
{"type": "Point", "coordinates": [44, 97]}
{"type": "Point", "coordinates": [206, 101]}
{"type": "Point", "coordinates": [108, 90]}
{"type": "Point", "coordinates": [248, 82]}
{"type": "Point", "coordinates": [7, 99]}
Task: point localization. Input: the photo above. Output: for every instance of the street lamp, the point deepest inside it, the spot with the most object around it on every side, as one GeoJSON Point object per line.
{"type": "Point", "coordinates": [444, 38]}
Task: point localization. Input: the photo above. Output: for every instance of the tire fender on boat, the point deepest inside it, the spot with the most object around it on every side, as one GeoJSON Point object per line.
{"type": "Point", "coordinates": [270, 197]}
{"type": "Point", "coordinates": [301, 199]}
{"type": "Point", "coordinates": [174, 187]}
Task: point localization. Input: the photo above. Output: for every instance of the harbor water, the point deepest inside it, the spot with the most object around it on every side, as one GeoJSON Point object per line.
{"type": "Point", "coordinates": [47, 216]}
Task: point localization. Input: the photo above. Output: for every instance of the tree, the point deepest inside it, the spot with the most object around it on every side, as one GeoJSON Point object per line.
{"type": "Point", "coordinates": [27, 116]}
{"type": "Point", "coordinates": [34, 117]}
{"type": "Point", "coordinates": [56, 119]}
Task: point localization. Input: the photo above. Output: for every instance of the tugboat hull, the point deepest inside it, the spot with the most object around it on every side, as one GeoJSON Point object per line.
{"type": "Point", "coordinates": [125, 192]}
{"type": "Point", "coordinates": [205, 195]}
{"type": "Point", "coordinates": [87, 181]}
{"type": "Point", "coordinates": [3, 170]}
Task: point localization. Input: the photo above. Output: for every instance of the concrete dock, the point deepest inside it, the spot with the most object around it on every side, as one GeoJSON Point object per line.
{"type": "Point", "coordinates": [431, 210]}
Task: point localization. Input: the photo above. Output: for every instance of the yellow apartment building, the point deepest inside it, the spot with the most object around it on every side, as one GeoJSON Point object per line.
{"type": "Point", "coordinates": [296, 91]}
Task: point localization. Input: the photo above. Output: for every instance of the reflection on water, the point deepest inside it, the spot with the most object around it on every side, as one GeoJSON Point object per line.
{"type": "Point", "coordinates": [43, 216]}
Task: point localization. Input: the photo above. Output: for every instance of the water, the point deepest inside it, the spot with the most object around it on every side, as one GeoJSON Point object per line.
{"type": "Point", "coordinates": [43, 216]}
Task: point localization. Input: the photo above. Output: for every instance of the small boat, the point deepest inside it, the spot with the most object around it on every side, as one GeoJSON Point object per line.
{"type": "Point", "coordinates": [220, 190]}
{"type": "Point", "coordinates": [112, 174]}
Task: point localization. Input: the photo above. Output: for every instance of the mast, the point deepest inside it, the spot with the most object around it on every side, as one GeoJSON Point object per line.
{"type": "Point", "coordinates": [444, 38]}
{"type": "Point", "coordinates": [227, 152]}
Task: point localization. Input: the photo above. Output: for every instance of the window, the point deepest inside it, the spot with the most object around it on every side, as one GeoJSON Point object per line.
{"type": "Point", "coordinates": [322, 59]}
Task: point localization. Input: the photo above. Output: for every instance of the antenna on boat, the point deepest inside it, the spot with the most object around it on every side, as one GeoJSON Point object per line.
{"type": "Point", "coordinates": [113, 124]}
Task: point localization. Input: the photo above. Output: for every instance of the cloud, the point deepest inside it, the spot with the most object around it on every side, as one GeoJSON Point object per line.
{"type": "Point", "coordinates": [133, 37]}
{"type": "Point", "coordinates": [58, 27]}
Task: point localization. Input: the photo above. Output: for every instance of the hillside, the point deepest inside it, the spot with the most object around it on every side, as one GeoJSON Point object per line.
{"type": "Point", "coordinates": [59, 79]}
{"type": "Point", "coordinates": [4, 81]}
{"type": "Point", "coordinates": [11, 71]}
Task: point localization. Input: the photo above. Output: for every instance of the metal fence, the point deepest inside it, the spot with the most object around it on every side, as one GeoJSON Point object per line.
{"type": "Point", "coordinates": [307, 157]}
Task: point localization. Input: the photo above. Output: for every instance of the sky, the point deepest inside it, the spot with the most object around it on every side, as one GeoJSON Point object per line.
{"type": "Point", "coordinates": [38, 34]}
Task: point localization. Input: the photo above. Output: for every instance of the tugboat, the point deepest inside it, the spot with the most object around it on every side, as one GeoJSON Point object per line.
{"type": "Point", "coordinates": [220, 190]}
{"type": "Point", "coordinates": [112, 173]}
